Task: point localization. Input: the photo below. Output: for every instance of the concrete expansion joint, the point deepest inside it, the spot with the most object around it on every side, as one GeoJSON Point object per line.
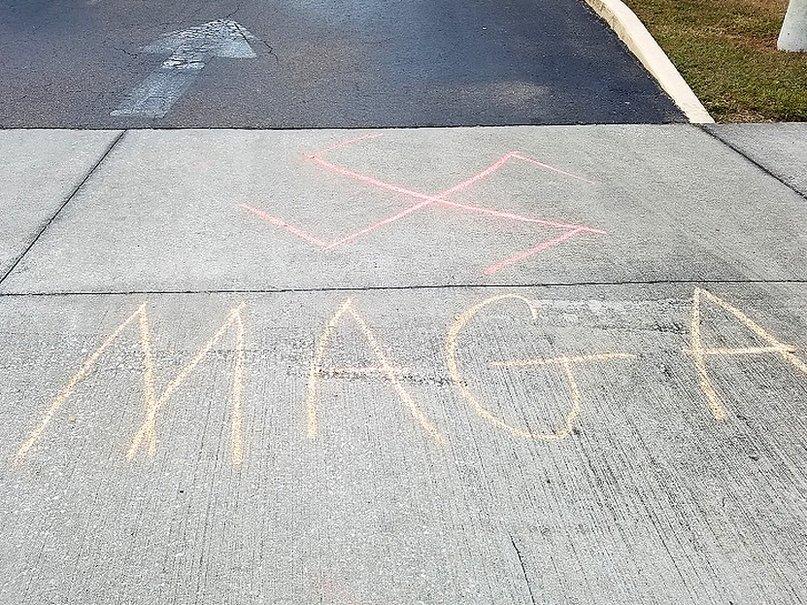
{"type": "Point", "coordinates": [409, 287]}
{"type": "Point", "coordinates": [761, 167]}
{"type": "Point", "coordinates": [64, 204]}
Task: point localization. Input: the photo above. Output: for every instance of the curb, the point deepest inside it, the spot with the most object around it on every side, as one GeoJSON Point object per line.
{"type": "Point", "coordinates": [639, 41]}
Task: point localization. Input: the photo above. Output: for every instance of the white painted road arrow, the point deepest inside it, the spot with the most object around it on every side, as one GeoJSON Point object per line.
{"type": "Point", "coordinates": [189, 50]}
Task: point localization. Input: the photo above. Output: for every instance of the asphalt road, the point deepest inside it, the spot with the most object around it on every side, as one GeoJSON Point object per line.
{"type": "Point", "coordinates": [320, 63]}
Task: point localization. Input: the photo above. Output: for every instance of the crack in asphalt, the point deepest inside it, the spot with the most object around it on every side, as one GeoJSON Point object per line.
{"type": "Point", "coordinates": [126, 52]}
{"type": "Point", "coordinates": [271, 50]}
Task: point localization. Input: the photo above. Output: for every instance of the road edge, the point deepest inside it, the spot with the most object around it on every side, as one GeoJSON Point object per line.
{"type": "Point", "coordinates": [641, 43]}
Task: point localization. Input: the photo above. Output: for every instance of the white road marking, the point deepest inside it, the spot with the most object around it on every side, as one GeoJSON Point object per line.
{"type": "Point", "coordinates": [189, 50]}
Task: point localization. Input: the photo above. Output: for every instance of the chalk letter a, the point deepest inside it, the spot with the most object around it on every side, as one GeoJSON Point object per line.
{"type": "Point", "coordinates": [384, 368]}
{"type": "Point", "coordinates": [700, 353]}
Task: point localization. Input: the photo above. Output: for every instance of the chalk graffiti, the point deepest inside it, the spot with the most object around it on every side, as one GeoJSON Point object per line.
{"type": "Point", "coordinates": [699, 353]}
{"type": "Point", "coordinates": [146, 436]}
{"type": "Point", "coordinates": [385, 368]}
{"type": "Point", "coordinates": [565, 363]}
{"type": "Point", "coordinates": [424, 200]}
{"type": "Point", "coordinates": [382, 366]}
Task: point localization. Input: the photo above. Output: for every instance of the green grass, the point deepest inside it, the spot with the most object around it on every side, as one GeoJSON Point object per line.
{"type": "Point", "coordinates": [726, 51]}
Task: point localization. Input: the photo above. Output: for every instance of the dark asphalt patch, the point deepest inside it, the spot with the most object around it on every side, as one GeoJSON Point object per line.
{"type": "Point", "coordinates": [327, 64]}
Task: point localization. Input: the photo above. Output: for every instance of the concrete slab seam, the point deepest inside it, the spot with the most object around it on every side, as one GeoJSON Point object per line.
{"type": "Point", "coordinates": [641, 43]}
{"type": "Point", "coordinates": [762, 167]}
{"type": "Point", "coordinates": [408, 287]}
{"type": "Point", "coordinates": [66, 201]}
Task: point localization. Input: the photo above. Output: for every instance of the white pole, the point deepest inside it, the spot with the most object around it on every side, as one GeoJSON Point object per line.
{"type": "Point", "coordinates": [793, 36]}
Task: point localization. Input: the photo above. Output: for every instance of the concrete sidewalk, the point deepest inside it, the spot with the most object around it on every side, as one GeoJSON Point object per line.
{"type": "Point", "coordinates": [170, 211]}
{"type": "Point", "coordinates": [491, 365]}
{"type": "Point", "coordinates": [780, 149]}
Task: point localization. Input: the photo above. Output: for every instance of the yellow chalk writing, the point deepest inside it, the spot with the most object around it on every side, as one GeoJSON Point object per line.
{"type": "Point", "coordinates": [146, 436]}
{"type": "Point", "coordinates": [700, 353]}
{"type": "Point", "coordinates": [384, 368]}
{"type": "Point", "coordinates": [564, 362]}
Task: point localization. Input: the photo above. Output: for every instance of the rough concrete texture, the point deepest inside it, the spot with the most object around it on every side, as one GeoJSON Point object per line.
{"type": "Point", "coordinates": [648, 499]}
{"type": "Point", "coordinates": [411, 429]}
{"type": "Point", "coordinates": [779, 148]}
{"type": "Point", "coordinates": [38, 171]}
{"type": "Point", "coordinates": [220, 210]}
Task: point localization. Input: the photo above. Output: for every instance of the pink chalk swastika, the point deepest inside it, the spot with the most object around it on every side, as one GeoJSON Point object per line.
{"type": "Point", "coordinates": [421, 201]}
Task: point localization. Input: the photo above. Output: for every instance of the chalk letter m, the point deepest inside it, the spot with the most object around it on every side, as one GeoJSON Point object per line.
{"type": "Point", "coordinates": [146, 436]}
